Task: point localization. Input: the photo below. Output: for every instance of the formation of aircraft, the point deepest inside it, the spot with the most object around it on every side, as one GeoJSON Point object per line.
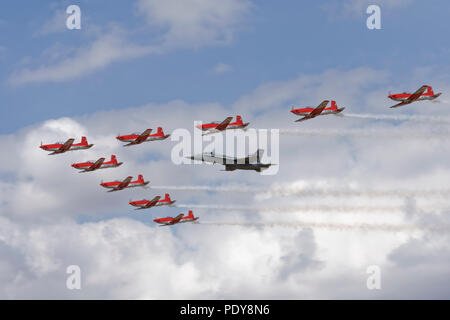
{"type": "Point", "coordinates": [251, 162]}
{"type": "Point", "coordinates": [215, 126]}
{"type": "Point", "coordinates": [92, 165]}
{"type": "Point", "coordinates": [69, 145]}
{"type": "Point", "coordinates": [423, 93]}
{"type": "Point", "coordinates": [138, 138]}
{"type": "Point", "coordinates": [155, 202]}
{"type": "Point", "coordinates": [126, 183]}
{"type": "Point", "coordinates": [320, 110]}
{"type": "Point", "coordinates": [169, 221]}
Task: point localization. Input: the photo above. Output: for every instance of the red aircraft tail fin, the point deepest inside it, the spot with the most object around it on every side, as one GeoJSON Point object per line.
{"type": "Point", "coordinates": [333, 105]}
{"type": "Point", "coordinates": [190, 215]}
{"type": "Point", "coordinates": [429, 91]}
{"type": "Point", "coordinates": [160, 131]}
{"type": "Point", "coordinates": [167, 197]}
{"type": "Point", "coordinates": [114, 159]}
{"type": "Point", "coordinates": [239, 120]}
{"type": "Point", "coordinates": [140, 178]}
{"type": "Point", "coordinates": [84, 141]}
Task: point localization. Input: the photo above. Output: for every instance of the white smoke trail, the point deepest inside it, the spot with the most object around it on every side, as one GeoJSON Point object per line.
{"type": "Point", "coordinates": [365, 227]}
{"type": "Point", "coordinates": [353, 192]}
{"type": "Point", "coordinates": [367, 133]}
{"type": "Point", "coordinates": [441, 101]}
{"type": "Point", "coordinates": [310, 191]}
{"type": "Point", "coordinates": [414, 118]}
{"type": "Point", "coordinates": [309, 208]}
{"type": "Point", "coordinates": [236, 188]}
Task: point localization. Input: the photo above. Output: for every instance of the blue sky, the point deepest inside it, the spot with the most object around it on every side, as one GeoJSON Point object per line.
{"type": "Point", "coordinates": [342, 184]}
{"type": "Point", "coordinates": [274, 42]}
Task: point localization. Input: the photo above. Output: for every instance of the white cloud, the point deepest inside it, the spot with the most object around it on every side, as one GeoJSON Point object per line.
{"type": "Point", "coordinates": [51, 216]}
{"type": "Point", "coordinates": [183, 24]}
{"type": "Point", "coordinates": [222, 68]}
{"type": "Point", "coordinates": [195, 23]}
{"type": "Point", "coordinates": [56, 24]}
{"type": "Point", "coordinates": [310, 90]}
{"type": "Point", "coordinates": [105, 50]}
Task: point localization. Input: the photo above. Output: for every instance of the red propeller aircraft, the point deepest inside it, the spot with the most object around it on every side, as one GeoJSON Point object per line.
{"type": "Point", "coordinates": [126, 183]}
{"type": "Point", "coordinates": [309, 112]}
{"type": "Point", "coordinates": [215, 126]}
{"type": "Point", "coordinates": [91, 165]}
{"type": "Point", "coordinates": [69, 145]}
{"type": "Point", "coordinates": [168, 221]}
{"type": "Point", "coordinates": [155, 202]}
{"type": "Point", "coordinates": [419, 95]}
{"type": "Point", "coordinates": [138, 138]}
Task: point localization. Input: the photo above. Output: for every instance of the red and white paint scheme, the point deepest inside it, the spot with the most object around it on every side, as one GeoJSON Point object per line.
{"type": "Point", "coordinates": [423, 93]}
{"type": "Point", "coordinates": [155, 202]}
{"type": "Point", "coordinates": [309, 112]}
{"type": "Point", "coordinates": [92, 165]}
{"type": "Point", "coordinates": [168, 221]}
{"type": "Point", "coordinates": [127, 183]}
{"type": "Point", "coordinates": [138, 138]}
{"type": "Point", "coordinates": [215, 126]}
{"type": "Point", "coordinates": [69, 145]}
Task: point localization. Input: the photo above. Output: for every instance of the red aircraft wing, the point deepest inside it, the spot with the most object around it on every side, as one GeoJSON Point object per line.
{"type": "Point", "coordinates": [144, 135]}
{"type": "Point", "coordinates": [153, 202]}
{"type": "Point", "coordinates": [317, 111]}
{"type": "Point", "coordinates": [66, 146]}
{"type": "Point", "coordinates": [177, 219]}
{"type": "Point", "coordinates": [413, 97]}
{"type": "Point", "coordinates": [224, 124]}
{"type": "Point", "coordinates": [416, 95]}
{"type": "Point", "coordinates": [401, 104]}
{"type": "Point", "coordinates": [124, 183]}
{"type": "Point", "coordinates": [96, 165]}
